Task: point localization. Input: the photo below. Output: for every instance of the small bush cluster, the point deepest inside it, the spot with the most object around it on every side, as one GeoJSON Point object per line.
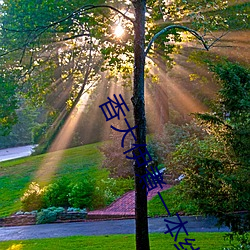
{"type": "Point", "coordinates": [61, 193]}
{"type": "Point", "coordinates": [76, 210]}
{"type": "Point", "coordinates": [108, 190]}
{"type": "Point", "coordinates": [33, 197]}
{"type": "Point", "coordinates": [242, 241]}
{"type": "Point", "coordinates": [83, 194]}
{"type": "Point", "coordinates": [57, 193]}
{"type": "Point", "coordinates": [104, 192]}
{"type": "Point", "coordinates": [48, 215]}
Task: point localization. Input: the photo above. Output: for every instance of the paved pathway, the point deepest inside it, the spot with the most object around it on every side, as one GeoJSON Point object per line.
{"type": "Point", "coordinates": [124, 206]}
{"type": "Point", "coordinates": [195, 224]}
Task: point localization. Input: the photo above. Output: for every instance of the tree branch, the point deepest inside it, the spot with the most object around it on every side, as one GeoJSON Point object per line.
{"type": "Point", "coordinates": [74, 13]}
{"type": "Point", "coordinates": [193, 32]}
{"type": "Point", "coordinates": [218, 38]}
{"type": "Point", "coordinates": [112, 8]}
{"type": "Point", "coordinates": [86, 8]}
{"type": "Point", "coordinates": [42, 29]}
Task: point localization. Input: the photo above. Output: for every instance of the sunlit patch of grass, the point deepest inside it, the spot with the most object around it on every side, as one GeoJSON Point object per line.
{"type": "Point", "coordinates": [158, 241]}
{"type": "Point", "coordinates": [16, 247]}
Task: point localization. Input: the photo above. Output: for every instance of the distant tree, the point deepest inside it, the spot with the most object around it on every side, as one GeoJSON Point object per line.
{"type": "Point", "coordinates": [163, 143]}
{"type": "Point", "coordinates": [114, 159]}
{"type": "Point", "coordinates": [8, 105]}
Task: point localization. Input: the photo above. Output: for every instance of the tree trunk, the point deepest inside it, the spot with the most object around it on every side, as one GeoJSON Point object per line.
{"type": "Point", "coordinates": [142, 239]}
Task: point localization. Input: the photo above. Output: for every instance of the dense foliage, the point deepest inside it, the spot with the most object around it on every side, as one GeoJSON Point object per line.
{"type": "Point", "coordinates": [238, 241]}
{"type": "Point", "coordinates": [48, 215]}
{"type": "Point", "coordinates": [32, 199]}
{"type": "Point", "coordinates": [8, 105]}
{"type": "Point", "coordinates": [114, 159]}
{"type": "Point", "coordinates": [163, 143]}
{"type": "Point", "coordinates": [217, 168]}
{"type": "Point", "coordinates": [57, 49]}
{"type": "Point", "coordinates": [87, 193]}
{"type": "Point", "coordinates": [56, 194]}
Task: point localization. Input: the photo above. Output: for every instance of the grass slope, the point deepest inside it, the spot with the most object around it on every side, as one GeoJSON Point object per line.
{"type": "Point", "coordinates": [16, 175]}
{"type": "Point", "coordinates": [176, 203]}
{"type": "Point", "coordinates": [158, 241]}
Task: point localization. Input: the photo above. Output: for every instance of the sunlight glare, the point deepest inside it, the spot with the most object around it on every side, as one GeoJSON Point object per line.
{"type": "Point", "coordinates": [119, 31]}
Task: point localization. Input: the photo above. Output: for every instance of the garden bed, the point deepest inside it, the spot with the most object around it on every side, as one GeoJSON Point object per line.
{"type": "Point", "coordinates": [30, 219]}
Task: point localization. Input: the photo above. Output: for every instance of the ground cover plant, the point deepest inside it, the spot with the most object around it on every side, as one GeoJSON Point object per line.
{"type": "Point", "coordinates": [158, 241]}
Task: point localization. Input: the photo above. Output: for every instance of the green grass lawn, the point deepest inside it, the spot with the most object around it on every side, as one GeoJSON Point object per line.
{"type": "Point", "coordinates": [158, 241]}
{"type": "Point", "coordinates": [175, 202]}
{"type": "Point", "coordinates": [16, 175]}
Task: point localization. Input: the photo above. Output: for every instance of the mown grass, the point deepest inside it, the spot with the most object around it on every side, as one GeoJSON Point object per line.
{"type": "Point", "coordinates": [16, 175]}
{"type": "Point", "coordinates": [175, 203]}
{"type": "Point", "coordinates": [76, 163]}
{"type": "Point", "coordinates": [158, 241]}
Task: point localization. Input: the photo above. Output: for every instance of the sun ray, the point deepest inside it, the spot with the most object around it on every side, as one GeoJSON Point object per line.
{"type": "Point", "coordinates": [171, 94]}
{"type": "Point", "coordinates": [50, 163]}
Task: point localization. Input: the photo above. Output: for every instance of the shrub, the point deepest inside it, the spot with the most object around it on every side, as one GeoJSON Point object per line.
{"type": "Point", "coordinates": [81, 194]}
{"type": "Point", "coordinates": [161, 144]}
{"type": "Point", "coordinates": [33, 197]}
{"type": "Point", "coordinates": [61, 193]}
{"type": "Point", "coordinates": [114, 159]}
{"type": "Point", "coordinates": [73, 209]}
{"type": "Point", "coordinates": [105, 189]}
{"type": "Point", "coordinates": [243, 241]}
{"type": "Point", "coordinates": [48, 215]}
{"type": "Point", "coordinates": [209, 179]}
{"type": "Point", "coordinates": [57, 193]}
{"type": "Point", "coordinates": [216, 168]}
{"type": "Point", "coordinates": [110, 189]}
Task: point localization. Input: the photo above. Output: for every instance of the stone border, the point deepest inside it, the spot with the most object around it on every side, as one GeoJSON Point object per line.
{"type": "Point", "coordinates": [30, 219]}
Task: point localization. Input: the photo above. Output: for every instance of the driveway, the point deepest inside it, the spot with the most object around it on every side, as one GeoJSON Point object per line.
{"type": "Point", "coordinates": [195, 224]}
{"type": "Point", "coordinates": [14, 153]}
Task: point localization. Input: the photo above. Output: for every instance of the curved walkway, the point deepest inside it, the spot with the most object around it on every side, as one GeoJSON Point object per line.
{"type": "Point", "coordinates": [124, 207]}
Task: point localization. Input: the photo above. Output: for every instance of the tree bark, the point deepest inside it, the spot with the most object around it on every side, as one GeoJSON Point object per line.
{"type": "Point", "coordinates": [142, 239]}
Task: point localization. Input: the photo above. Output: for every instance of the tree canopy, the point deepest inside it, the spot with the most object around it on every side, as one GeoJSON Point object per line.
{"type": "Point", "coordinates": [55, 45]}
